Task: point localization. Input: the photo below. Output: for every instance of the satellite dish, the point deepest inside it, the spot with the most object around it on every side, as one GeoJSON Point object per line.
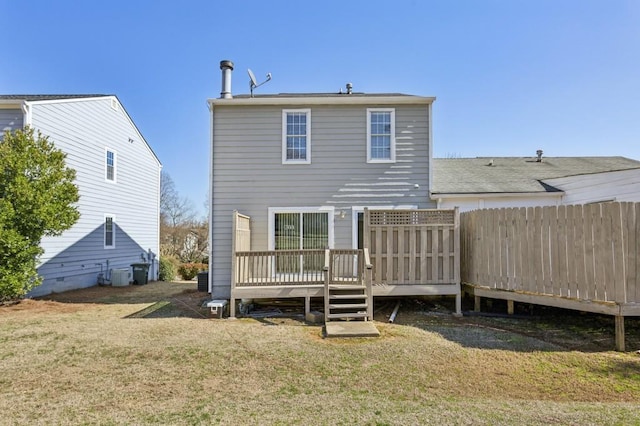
{"type": "Point", "coordinates": [253, 83]}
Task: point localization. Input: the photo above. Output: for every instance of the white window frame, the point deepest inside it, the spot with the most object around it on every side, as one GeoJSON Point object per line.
{"type": "Point", "coordinates": [306, 111]}
{"type": "Point", "coordinates": [392, 153]}
{"type": "Point", "coordinates": [113, 231]}
{"type": "Point", "coordinates": [330, 210]}
{"type": "Point", "coordinates": [106, 166]}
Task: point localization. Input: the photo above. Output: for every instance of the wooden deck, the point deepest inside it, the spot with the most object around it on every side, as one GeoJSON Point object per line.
{"type": "Point", "coordinates": [411, 253]}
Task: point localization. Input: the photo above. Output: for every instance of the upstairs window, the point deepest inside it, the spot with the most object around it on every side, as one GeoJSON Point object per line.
{"type": "Point", "coordinates": [109, 232]}
{"type": "Point", "coordinates": [381, 141]}
{"type": "Point", "coordinates": [110, 166]}
{"type": "Point", "coordinates": [296, 136]}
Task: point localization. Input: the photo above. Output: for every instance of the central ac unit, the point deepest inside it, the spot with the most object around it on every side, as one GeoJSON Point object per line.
{"type": "Point", "coordinates": [119, 277]}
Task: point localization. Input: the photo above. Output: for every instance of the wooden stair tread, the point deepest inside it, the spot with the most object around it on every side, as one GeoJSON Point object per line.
{"type": "Point", "coordinates": [346, 287]}
{"type": "Point", "coordinates": [348, 306]}
{"type": "Point", "coordinates": [348, 315]}
{"type": "Point", "coordinates": [347, 296]}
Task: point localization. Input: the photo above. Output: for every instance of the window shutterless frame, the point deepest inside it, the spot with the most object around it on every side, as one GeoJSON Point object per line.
{"type": "Point", "coordinates": [381, 135]}
{"type": "Point", "coordinates": [110, 165]}
{"type": "Point", "coordinates": [109, 231]}
{"type": "Point", "coordinates": [296, 136]}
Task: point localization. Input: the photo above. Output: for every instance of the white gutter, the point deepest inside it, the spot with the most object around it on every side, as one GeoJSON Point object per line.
{"type": "Point", "coordinates": [325, 100]}
{"type": "Point", "coordinates": [440, 196]}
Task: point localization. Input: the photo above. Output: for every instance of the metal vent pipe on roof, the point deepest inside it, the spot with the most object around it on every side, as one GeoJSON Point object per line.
{"type": "Point", "coordinates": [226, 67]}
{"type": "Point", "coordinates": [349, 88]}
{"type": "Point", "coordinates": [539, 154]}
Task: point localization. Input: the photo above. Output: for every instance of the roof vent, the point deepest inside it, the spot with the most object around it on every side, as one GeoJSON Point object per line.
{"type": "Point", "coordinates": [539, 154]}
{"type": "Point", "coordinates": [349, 88]}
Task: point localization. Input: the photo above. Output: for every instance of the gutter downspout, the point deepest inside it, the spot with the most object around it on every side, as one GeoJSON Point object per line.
{"type": "Point", "coordinates": [26, 114]}
{"type": "Point", "coordinates": [429, 111]}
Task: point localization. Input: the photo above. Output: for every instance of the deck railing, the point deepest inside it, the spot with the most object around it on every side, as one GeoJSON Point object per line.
{"type": "Point", "coordinates": [299, 267]}
{"type": "Point", "coordinates": [279, 267]}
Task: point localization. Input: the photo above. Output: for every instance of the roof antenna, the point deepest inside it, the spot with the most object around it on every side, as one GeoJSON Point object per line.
{"type": "Point", "coordinates": [253, 82]}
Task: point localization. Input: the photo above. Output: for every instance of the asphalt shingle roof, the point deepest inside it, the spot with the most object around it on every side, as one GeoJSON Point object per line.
{"type": "Point", "coordinates": [516, 174]}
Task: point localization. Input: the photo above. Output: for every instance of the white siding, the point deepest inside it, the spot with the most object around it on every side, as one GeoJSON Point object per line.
{"type": "Point", "coordinates": [83, 129]}
{"type": "Point", "coordinates": [248, 174]}
{"type": "Point", "coordinates": [621, 185]}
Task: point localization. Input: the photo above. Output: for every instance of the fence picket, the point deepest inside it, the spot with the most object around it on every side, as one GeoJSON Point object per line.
{"type": "Point", "coordinates": [589, 252]}
{"type": "Point", "coordinates": [619, 292]}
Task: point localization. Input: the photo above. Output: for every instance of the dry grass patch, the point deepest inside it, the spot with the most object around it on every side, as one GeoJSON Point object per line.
{"type": "Point", "coordinates": [94, 364]}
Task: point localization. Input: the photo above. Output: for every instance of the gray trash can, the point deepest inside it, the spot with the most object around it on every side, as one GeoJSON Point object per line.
{"type": "Point", "coordinates": [140, 273]}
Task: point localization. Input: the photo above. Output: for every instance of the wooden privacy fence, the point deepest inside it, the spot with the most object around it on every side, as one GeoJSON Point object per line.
{"type": "Point", "coordinates": [583, 252]}
{"type": "Point", "coordinates": [413, 247]}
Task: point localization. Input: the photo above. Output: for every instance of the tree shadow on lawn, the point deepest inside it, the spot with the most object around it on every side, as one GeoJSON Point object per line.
{"type": "Point", "coordinates": [165, 299]}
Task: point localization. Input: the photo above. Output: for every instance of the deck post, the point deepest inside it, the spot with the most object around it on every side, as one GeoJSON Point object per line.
{"type": "Point", "coordinates": [620, 333]}
{"type": "Point", "coordinates": [366, 275]}
{"type": "Point", "coordinates": [307, 305]}
{"type": "Point", "coordinates": [234, 236]}
{"type": "Point", "coordinates": [458, 312]}
{"type": "Point", "coordinates": [327, 272]}
{"type": "Point", "coordinates": [510, 307]}
{"type": "Point", "coordinates": [476, 303]}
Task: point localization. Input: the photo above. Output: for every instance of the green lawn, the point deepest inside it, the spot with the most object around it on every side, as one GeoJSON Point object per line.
{"type": "Point", "coordinates": [113, 362]}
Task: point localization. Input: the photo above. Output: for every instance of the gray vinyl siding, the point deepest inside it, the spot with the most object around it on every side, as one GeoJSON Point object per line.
{"type": "Point", "coordinates": [10, 119]}
{"type": "Point", "coordinates": [248, 174]}
{"type": "Point", "coordinates": [83, 129]}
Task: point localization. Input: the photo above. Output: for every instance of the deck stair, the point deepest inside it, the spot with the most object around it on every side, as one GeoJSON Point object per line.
{"type": "Point", "coordinates": [347, 302]}
{"type": "Point", "coordinates": [347, 294]}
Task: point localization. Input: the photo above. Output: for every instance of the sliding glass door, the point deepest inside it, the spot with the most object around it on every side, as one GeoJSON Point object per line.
{"type": "Point", "coordinates": [297, 231]}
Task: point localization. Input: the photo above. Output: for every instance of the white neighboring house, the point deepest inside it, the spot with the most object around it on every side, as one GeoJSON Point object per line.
{"type": "Point", "coordinates": [118, 176]}
{"type": "Point", "coordinates": [476, 183]}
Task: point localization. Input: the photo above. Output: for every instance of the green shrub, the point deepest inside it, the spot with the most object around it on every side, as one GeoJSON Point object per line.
{"type": "Point", "coordinates": [188, 271]}
{"type": "Point", "coordinates": [37, 199]}
{"type": "Point", "coordinates": [167, 270]}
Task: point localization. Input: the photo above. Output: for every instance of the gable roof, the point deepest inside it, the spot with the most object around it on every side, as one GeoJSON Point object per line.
{"type": "Point", "coordinates": [17, 99]}
{"type": "Point", "coordinates": [484, 175]}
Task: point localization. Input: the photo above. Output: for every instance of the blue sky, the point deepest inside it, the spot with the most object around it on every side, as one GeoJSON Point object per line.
{"type": "Point", "coordinates": [510, 76]}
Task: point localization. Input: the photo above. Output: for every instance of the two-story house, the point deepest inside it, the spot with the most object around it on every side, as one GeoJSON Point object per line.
{"type": "Point", "coordinates": [300, 170]}
{"type": "Point", "coordinates": [118, 176]}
